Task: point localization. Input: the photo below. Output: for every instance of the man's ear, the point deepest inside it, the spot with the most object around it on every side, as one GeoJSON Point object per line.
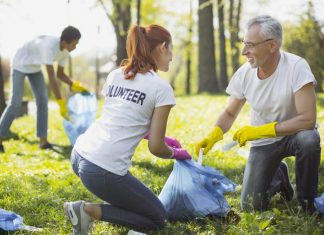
{"type": "Point", "coordinates": [63, 44]}
{"type": "Point", "coordinates": [274, 45]}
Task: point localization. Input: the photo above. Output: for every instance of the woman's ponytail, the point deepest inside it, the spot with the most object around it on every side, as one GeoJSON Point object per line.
{"type": "Point", "coordinates": [139, 44]}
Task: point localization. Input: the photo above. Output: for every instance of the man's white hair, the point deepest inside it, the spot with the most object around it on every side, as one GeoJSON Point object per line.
{"type": "Point", "coordinates": [270, 27]}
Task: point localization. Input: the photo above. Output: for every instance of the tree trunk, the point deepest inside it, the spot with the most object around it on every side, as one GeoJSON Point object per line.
{"type": "Point", "coordinates": [188, 74]}
{"type": "Point", "coordinates": [2, 95]}
{"type": "Point", "coordinates": [222, 46]}
{"type": "Point", "coordinates": [97, 66]}
{"type": "Point", "coordinates": [122, 13]}
{"type": "Point", "coordinates": [120, 19]}
{"type": "Point", "coordinates": [138, 17]}
{"type": "Point", "coordinates": [234, 27]}
{"type": "Point", "coordinates": [121, 46]}
{"type": "Point", "coordinates": [206, 64]}
{"type": "Point", "coordinates": [189, 48]}
{"type": "Point", "coordinates": [237, 38]}
{"type": "Point", "coordinates": [177, 64]}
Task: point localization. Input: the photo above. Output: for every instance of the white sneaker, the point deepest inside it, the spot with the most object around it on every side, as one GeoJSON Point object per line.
{"type": "Point", "coordinates": [81, 221]}
{"type": "Point", "coordinates": [132, 232]}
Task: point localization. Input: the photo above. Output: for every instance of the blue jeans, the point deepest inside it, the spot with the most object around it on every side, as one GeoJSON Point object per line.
{"type": "Point", "coordinates": [262, 177]}
{"type": "Point", "coordinates": [38, 86]}
{"type": "Point", "coordinates": [131, 203]}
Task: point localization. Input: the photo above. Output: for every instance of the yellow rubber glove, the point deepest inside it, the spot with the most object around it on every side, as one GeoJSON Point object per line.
{"type": "Point", "coordinates": [248, 133]}
{"type": "Point", "coordinates": [77, 87]}
{"type": "Point", "coordinates": [63, 108]}
{"type": "Point", "coordinates": [208, 142]}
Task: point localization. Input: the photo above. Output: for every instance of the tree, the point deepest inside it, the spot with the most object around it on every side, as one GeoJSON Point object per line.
{"type": "Point", "coordinates": [207, 81]}
{"type": "Point", "coordinates": [234, 28]}
{"type": "Point", "coordinates": [222, 45]}
{"type": "Point", "coordinates": [189, 48]}
{"type": "Point", "coordinates": [152, 11]}
{"type": "Point", "coordinates": [138, 11]}
{"type": "Point", "coordinates": [2, 95]}
{"type": "Point", "coordinates": [2, 78]}
{"type": "Point", "coordinates": [307, 41]}
{"type": "Point", "coordinates": [120, 19]}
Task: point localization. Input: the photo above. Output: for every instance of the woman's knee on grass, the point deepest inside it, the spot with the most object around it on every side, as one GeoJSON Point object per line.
{"type": "Point", "coordinates": [160, 219]}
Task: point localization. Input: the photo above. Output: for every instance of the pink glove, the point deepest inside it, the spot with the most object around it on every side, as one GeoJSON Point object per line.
{"type": "Point", "coordinates": [180, 154]}
{"type": "Point", "coordinates": [171, 142]}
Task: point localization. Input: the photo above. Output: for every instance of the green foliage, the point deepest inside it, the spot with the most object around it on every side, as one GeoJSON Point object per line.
{"type": "Point", "coordinates": [150, 11]}
{"type": "Point", "coordinates": [35, 183]}
{"type": "Point", "coordinates": [306, 40]}
{"type": "Point", "coordinates": [157, 12]}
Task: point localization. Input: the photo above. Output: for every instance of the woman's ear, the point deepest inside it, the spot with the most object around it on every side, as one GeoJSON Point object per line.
{"type": "Point", "coordinates": [163, 46]}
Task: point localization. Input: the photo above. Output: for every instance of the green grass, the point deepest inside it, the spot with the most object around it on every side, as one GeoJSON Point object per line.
{"type": "Point", "coordinates": [35, 183]}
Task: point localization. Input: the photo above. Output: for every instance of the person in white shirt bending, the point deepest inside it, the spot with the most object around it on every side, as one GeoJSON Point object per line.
{"type": "Point", "coordinates": [137, 105]}
{"type": "Point", "coordinates": [43, 50]}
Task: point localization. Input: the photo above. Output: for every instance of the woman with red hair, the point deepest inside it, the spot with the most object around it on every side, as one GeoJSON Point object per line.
{"type": "Point", "coordinates": [137, 105]}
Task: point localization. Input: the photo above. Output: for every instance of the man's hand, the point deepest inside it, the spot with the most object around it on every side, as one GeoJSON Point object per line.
{"type": "Point", "coordinates": [248, 133]}
{"type": "Point", "coordinates": [208, 142]}
{"type": "Point", "coordinates": [180, 154]}
{"type": "Point", "coordinates": [77, 87]}
{"type": "Point", "coordinates": [63, 109]}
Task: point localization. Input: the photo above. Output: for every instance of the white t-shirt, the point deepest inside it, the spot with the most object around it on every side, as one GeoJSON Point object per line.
{"type": "Point", "coordinates": [41, 50]}
{"type": "Point", "coordinates": [111, 140]}
{"type": "Point", "coordinates": [271, 99]}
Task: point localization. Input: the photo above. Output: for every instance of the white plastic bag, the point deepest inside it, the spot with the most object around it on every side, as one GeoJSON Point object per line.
{"type": "Point", "coordinates": [82, 112]}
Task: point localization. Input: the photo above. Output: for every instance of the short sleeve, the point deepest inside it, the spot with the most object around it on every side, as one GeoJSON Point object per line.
{"type": "Point", "coordinates": [107, 83]}
{"type": "Point", "coordinates": [302, 75]}
{"type": "Point", "coordinates": [63, 61]}
{"type": "Point", "coordinates": [235, 86]}
{"type": "Point", "coordinates": [164, 95]}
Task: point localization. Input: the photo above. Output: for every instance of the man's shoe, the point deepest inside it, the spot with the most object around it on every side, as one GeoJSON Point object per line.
{"type": "Point", "coordinates": [46, 146]}
{"type": "Point", "coordinates": [286, 189]}
{"type": "Point", "coordinates": [81, 222]}
{"type": "Point", "coordinates": [308, 206]}
{"type": "Point", "coordinates": [1, 148]}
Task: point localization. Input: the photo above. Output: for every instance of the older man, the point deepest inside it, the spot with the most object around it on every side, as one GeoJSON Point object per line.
{"type": "Point", "coordinates": [279, 86]}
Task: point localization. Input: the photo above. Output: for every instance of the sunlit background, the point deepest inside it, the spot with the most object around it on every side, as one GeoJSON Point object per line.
{"type": "Point", "coordinates": [24, 19]}
{"type": "Point", "coordinates": [21, 20]}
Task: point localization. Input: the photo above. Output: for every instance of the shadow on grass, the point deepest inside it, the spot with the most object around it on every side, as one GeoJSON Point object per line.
{"type": "Point", "coordinates": [2, 232]}
{"type": "Point", "coordinates": [153, 168]}
{"type": "Point", "coordinates": [64, 150]}
{"type": "Point", "coordinates": [61, 149]}
{"type": "Point", "coordinates": [13, 135]}
{"type": "Point", "coordinates": [196, 225]}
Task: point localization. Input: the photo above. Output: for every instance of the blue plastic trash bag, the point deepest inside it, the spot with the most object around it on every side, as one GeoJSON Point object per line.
{"type": "Point", "coordinates": [10, 221]}
{"type": "Point", "coordinates": [193, 191]}
{"type": "Point", "coordinates": [82, 112]}
{"type": "Point", "coordinates": [319, 203]}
